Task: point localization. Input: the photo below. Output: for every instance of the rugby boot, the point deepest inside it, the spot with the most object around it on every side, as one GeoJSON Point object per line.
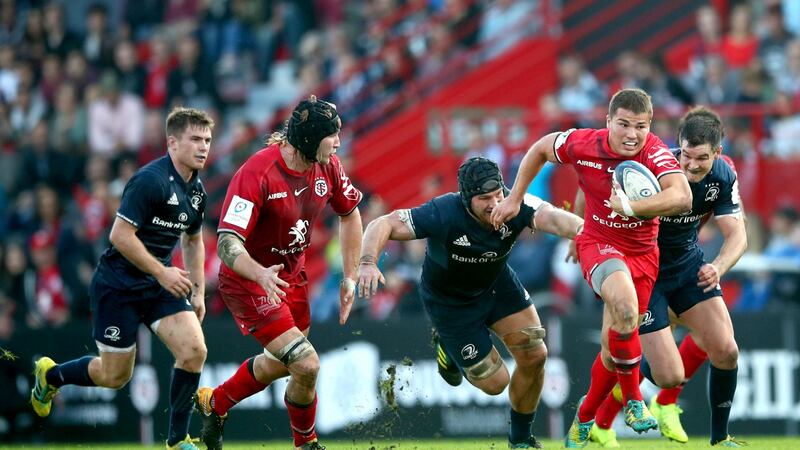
{"type": "Point", "coordinates": [531, 442]}
{"type": "Point", "coordinates": [213, 423]}
{"type": "Point", "coordinates": [311, 445]}
{"type": "Point", "coordinates": [730, 441]}
{"type": "Point", "coordinates": [42, 393]}
{"type": "Point", "coordinates": [578, 434]}
{"type": "Point", "coordinates": [448, 369]}
{"type": "Point", "coordinates": [638, 417]}
{"type": "Point", "coordinates": [669, 420]}
{"type": "Point", "coordinates": [187, 444]}
{"type": "Point", "coordinates": [606, 438]}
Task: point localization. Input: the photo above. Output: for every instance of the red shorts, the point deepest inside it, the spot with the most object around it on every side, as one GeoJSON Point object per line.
{"type": "Point", "coordinates": [255, 316]}
{"type": "Point", "coordinates": [643, 268]}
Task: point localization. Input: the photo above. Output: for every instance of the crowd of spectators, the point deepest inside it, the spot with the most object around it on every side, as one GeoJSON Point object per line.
{"type": "Point", "coordinates": [85, 87]}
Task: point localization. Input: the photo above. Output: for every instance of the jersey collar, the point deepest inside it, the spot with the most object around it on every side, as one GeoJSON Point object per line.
{"type": "Point", "coordinates": [176, 176]}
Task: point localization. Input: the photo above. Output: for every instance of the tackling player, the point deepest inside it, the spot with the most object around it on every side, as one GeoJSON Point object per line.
{"type": "Point", "coordinates": [689, 287]}
{"type": "Point", "coordinates": [617, 249]}
{"type": "Point", "coordinates": [268, 216]}
{"type": "Point", "coordinates": [467, 287]}
{"type": "Point", "coordinates": [135, 283]}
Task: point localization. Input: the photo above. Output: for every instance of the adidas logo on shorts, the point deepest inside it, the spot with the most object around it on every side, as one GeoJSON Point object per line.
{"type": "Point", "coordinates": [462, 241]}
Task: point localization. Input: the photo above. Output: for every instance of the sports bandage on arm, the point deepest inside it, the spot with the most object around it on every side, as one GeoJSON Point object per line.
{"type": "Point", "coordinates": [623, 198]}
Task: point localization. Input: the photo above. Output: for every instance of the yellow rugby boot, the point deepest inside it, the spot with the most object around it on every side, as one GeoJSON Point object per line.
{"type": "Point", "coordinates": [669, 420]}
{"type": "Point", "coordinates": [42, 393]}
{"type": "Point", "coordinates": [606, 438]}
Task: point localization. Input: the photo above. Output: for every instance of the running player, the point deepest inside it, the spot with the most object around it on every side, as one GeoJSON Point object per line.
{"type": "Point", "coordinates": [467, 287]}
{"type": "Point", "coordinates": [268, 216]}
{"type": "Point", "coordinates": [618, 252]}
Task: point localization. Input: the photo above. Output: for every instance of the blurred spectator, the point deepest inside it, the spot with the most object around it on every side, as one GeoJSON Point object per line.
{"type": "Point", "coordinates": [144, 16]}
{"type": "Point", "coordinates": [477, 145]}
{"type": "Point", "coordinates": [442, 48]}
{"type": "Point", "coordinates": [131, 74]}
{"type": "Point", "coordinates": [282, 28]}
{"type": "Point", "coordinates": [710, 43]}
{"type": "Point", "coordinates": [739, 46]}
{"type": "Point", "coordinates": [15, 276]}
{"type": "Point", "coordinates": [785, 141]}
{"type": "Point", "coordinates": [579, 90]}
{"type": "Point", "coordinates": [27, 111]}
{"type": "Point", "coordinates": [98, 43]}
{"type": "Point", "coordinates": [463, 19]}
{"type": "Point", "coordinates": [12, 25]}
{"type": "Point", "coordinates": [51, 76]}
{"type": "Point", "coordinates": [116, 119]}
{"type": "Point", "coordinates": [667, 91]}
{"type": "Point", "coordinates": [718, 85]}
{"type": "Point", "coordinates": [773, 42]}
{"type": "Point", "coordinates": [14, 377]}
{"type": "Point", "coordinates": [78, 72]}
{"type": "Point", "coordinates": [42, 163]}
{"type": "Point", "coordinates": [69, 127]}
{"type": "Point", "coordinates": [33, 47]}
{"type": "Point", "coordinates": [788, 80]}
{"type": "Point", "coordinates": [506, 22]}
{"type": "Point", "coordinates": [49, 305]}
{"type": "Point", "coordinates": [628, 64]}
{"type": "Point", "coordinates": [191, 83]}
{"type": "Point", "coordinates": [158, 67]}
{"type": "Point", "coordinates": [58, 40]}
{"type": "Point", "coordinates": [9, 79]}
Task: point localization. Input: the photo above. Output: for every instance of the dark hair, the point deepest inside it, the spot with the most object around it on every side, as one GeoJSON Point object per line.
{"type": "Point", "coordinates": [699, 126]}
{"type": "Point", "coordinates": [180, 118]}
{"type": "Point", "coordinates": [635, 100]}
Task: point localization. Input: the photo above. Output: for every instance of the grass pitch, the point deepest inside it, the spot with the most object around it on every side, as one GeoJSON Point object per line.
{"type": "Point", "coordinates": [758, 442]}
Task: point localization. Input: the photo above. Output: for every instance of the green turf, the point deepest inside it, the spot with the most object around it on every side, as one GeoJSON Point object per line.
{"type": "Point", "coordinates": [767, 443]}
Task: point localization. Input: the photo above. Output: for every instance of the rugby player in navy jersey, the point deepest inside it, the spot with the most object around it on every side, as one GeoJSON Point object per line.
{"type": "Point", "coordinates": [689, 286]}
{"type": "Point", "coordinates": [135, 282]}
{"type": "Point", "coordinates": [468, 288]}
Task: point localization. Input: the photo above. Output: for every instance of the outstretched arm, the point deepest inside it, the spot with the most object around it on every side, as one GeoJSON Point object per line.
{"type": "Point", "coordinates": [556, 221]}
{"type": "Point", "coordinates": [538, 154]}
{"type": "Point", "coordinates": [350, 237]}
{"type": "Point", "coordinates": [395, 226]}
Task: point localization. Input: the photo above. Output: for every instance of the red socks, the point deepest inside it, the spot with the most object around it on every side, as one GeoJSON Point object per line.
{"type": "Point", "coordinates": [241, 385]}
{"type": "Point", "coordinates": [693, 357]}
{"type": "Point", "coordinates": [302, 419]}
{"type": "Point", "coordinates": [626, 351]}
{"type": "Point", "coordinates": [602, 382]}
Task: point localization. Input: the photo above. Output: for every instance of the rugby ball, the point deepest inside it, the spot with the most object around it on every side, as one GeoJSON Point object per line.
{"type": "Point", "coordinates": [636, 180]}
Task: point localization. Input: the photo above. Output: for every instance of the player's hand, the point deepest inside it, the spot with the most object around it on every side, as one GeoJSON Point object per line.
{"type": "Point", "coordinates": [176, 281]}
{"type": "Point", "coordinates": [199, 305]}
{"type": "Point", "coordinates": [347, 293]}
{"type": "Point", "coordinates": [614, 202]}
{"type": "Point", "coordinates": [369, 277]}
{"type": "Point", "coordinates": [503, 212]}
{"type": "Point", "coordinates": [708, 276]}
{"type": "Point", "coordinates": [268, 279]}
{"type": "Point", "coordinates": [572, 252]}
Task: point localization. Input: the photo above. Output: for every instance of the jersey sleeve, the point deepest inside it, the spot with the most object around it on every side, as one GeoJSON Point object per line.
{"type": "Point", "coordinates": [242, 202]}
{"type": "Point", "coordinates": [728, 203]}
{"type": "Point", "coordinates": [426, 220]}
{"type": "Point", "coordinates": [140, 194]}
{"type": "Point", "coordinates": [345, 197]}
{"type": "Point", "coordinates": [195, 226]}
{"type": "Point", "coordinates": [561, 147]}
{"type": "Point", "coordinates": [660, 159]}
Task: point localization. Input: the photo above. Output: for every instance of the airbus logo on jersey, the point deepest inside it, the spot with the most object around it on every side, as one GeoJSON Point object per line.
{"type": "Point", "coordinates": [592, 164]}
{"type": "Point", "coordinates": [166, 224]}
{"type": "Point", "coordinates": [275, 195]}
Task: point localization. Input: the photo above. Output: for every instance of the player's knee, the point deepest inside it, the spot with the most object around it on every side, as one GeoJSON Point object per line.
{"type": "Point", "coordinates": [670, 379]}
{"type": "Point", "coordinates": [489, 374]}
{"type": "Point", "coordinates": [725, 356]}
{"type": "Point", "coordinates": [117, 380]}
{"type": "Point", "coordinates": [532, 360]}
{"type": "Point", "coordinates": [193, 357]}
{"type": "Point", "coordinates": [494, 386]}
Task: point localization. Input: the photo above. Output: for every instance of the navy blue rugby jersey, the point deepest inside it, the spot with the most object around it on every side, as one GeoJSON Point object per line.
{"type": "Point", "coordinates": [717, 193]}
{"type": "Point", "coordinates": [463, 257]}
{"type": "Point", "coordinates": [161, 206]}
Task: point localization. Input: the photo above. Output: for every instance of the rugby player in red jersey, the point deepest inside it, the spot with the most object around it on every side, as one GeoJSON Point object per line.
{"type": "Point", "coordinates": [617, 247]}
{"type": "Point", "coordinates": [267, 219]}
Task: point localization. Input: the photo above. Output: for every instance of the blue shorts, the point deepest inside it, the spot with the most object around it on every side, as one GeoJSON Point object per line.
{"type": "Point", "coordinates": [117, 313]}
{"type": "Point", "coordinates": [677, 290]}
{"type": "Point", "coordinates": [463, 324]}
